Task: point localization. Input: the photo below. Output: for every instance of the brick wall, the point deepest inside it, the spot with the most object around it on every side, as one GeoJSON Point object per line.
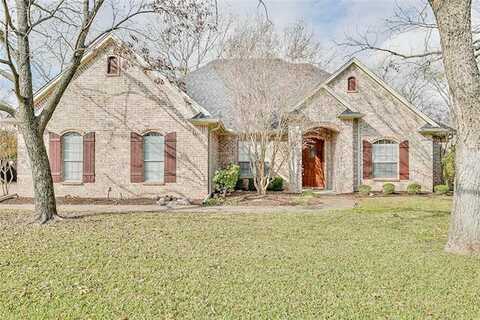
{"type": "Point", "coordinates": [113, 107]}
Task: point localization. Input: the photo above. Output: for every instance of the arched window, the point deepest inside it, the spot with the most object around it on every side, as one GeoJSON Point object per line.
{"type": "Point", "coordinates": [154, 157]}
{"type": "Point", "coordinates": [352, 84]}
{"type": "Point", "coordinates": [113, 67]}
{"type": "Point", "coordinates": [72, 157]}
{"type": "Point", "coordinates": [385, 159]}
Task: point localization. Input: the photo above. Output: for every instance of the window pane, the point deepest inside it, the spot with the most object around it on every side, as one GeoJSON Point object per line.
{"type": "Point", "coordinates": [245, 170]}
{"type": "Point", "coordinates": [385, 159]}
{"type": "Point", "coordinates": [385, 170]}
{"type": "Point", "coordinates": [243, 152]}
{"type": "Point", "coordinates": [154, 148]}
{"type": "Point", "coordinates": [72, 157]}
{"type": "Point", "coordinates": [385, 152]}
{"type": "Point", "coordinates": [154, 155]}
{"type": "Point", "coordinates": [154, 171]}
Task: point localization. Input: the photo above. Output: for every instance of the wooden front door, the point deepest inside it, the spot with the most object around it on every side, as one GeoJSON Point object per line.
{"type": "Point", "coordinates": [314, 164]}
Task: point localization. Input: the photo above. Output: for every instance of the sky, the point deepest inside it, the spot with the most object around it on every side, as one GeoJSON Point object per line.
{"type": "Point", "coordinates": [333, 20]}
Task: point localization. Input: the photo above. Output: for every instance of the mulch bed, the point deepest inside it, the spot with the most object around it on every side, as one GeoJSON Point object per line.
{"type": "Point", "coordinates": [86, 201]}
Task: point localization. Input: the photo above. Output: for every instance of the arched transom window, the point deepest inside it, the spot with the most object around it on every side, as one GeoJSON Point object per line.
{"type": "Point", "coordinates": [154, 157]}
{"type": "Point", "coordinates": [72, 157]}
{"type": "Point", "coordinates": [385, 159]}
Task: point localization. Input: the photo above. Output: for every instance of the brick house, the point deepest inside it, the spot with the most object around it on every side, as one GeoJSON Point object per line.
{"type": "Point", "coordinates": [124, 131]}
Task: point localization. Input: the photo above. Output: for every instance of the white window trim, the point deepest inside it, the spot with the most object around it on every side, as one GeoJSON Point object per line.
{"type": "Point", "coordinates": [397, 178]}
{"type": "Point", "coordinates": [162, 180]}
{"type": "Point", "coordinates": [65, 180]}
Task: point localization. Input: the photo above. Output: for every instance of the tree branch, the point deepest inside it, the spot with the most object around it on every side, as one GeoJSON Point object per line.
{"type": "Point", "coordinates": [5, 107]}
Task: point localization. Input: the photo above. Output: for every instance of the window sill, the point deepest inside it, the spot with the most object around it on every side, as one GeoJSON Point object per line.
{"type": "Point", "coordinates": [72, 183]}
{"type": "Point", "coordinates": [153, 184]}
{"type": "Point", "coordinates": [112, 75]}
{"type": "Point", "coordinates": [352, 91]}
{"type": "Point", "coordinates": [386, 180]}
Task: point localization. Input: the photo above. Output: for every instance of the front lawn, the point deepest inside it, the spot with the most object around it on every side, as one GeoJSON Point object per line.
{"type": "Point", "coordinates": [382, 260]}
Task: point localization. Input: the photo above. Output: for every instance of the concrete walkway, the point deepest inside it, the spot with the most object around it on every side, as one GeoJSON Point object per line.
{"type": "Point", "coordinates": [328, 203]}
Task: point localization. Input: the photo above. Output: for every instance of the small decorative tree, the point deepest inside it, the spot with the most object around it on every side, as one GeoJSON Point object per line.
{"type": "Point", "coordinates": [8, 157]}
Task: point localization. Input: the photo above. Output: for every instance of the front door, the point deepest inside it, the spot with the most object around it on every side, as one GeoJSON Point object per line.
{"type": "Point", "coordinates": [314, 164]}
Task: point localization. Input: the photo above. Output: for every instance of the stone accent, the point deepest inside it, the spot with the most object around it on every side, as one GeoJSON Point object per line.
{"type": "Point", "coordinates": [295, 140]}
{"type": "Point", "coordinates": [227, 150]}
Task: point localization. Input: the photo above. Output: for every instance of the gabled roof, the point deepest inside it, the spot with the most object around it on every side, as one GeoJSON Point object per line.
{"type": "Point", "coordinates": [96, 48]}
{"type": "Point", "coordinates": [373, 76]}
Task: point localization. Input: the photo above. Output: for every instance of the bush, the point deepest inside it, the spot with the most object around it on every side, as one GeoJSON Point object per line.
{"type": "Point", "coordinates": [214, 201]}
{"type": "Point", "coordinates": [251, 185]}
{"type": "Point", "coordinates": [364, 189]}
{"type": "Point", "coordinates": [414, 188]}
{"type": "Point", "coordinates": [448, 164]}
{"type": "Point", "coordinates": [276, 184]}
{"type": "Point", "coordinates": [388, 188]}
{"type": "Point", "coordinates": [226, 179]}
{"type": "Point", "coordinates": [442, 189]}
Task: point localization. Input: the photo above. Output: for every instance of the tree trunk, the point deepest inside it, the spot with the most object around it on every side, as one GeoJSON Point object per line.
{"type": "Point", "coordinates": [454, 23]}
{"type": "Point", "coordinates": [45, 204]}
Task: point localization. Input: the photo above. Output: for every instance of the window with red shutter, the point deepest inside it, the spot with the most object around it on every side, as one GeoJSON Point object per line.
{"type": "Point", "coordinates": [89, 158]}
{"type": "Point", "coordinates": [55, 156]}
{"type": "Point", "coordinates": [171, 157]}
{"type": "Point", "coordinates": [367, 160]}
{"type": "Point", "coordinates": [136, 158]}
{"type": "Point", "coordinates": [404, 160]}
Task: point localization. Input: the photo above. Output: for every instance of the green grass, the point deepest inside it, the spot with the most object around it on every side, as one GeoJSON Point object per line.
{"type": "Point", "coordinates": [383, 260]}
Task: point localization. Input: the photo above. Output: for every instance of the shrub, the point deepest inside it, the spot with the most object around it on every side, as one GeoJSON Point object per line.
{"type": "Point", "coordinates": [414, 188]}
{"type": "Point", "coordinates": [251, 185]}
{"type": "Point", "coordinates": [364, 189]}
{"type": "Point", "coordinates": [442, 189]}
{"type": "Point", "coordinates": [226, 179]}
{"type": "Point", "coordinates": [388, 188]}
{"type": "Point", "coordinates": [214, 201]}
{"type": "Point", "coordinates": [276, 184]}
{"type": "Point", "coordinates": [448, 166]}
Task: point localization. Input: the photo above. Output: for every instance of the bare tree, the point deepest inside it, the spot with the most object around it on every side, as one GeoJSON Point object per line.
{"type": "Point", "coordinates": [262, 95]}
{"type": "Point", "coordinates": [68, 28]}
{"type": "Point", "coordinates": [181, 45]}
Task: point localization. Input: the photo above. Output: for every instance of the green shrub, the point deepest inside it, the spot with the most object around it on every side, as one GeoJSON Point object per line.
{"type": "Point", "coordinates": [251, 185]}
{"type": "Point", "coordinates": [414, 188]}
{"type": "Point", "coordinates": [276, 184]}
{"type": "Point", "coordinates": [214, 201]}
{"type": "Point", "coordinates": [226, 179]}
{"type": "Point", "coordinates": [364, 189]}
{"type": "Point", "coordinates": [441, 189]}
{"type": "Point", "coordinates": [388, 188]}
{"type": "Point", "coordinates": [448, 164]}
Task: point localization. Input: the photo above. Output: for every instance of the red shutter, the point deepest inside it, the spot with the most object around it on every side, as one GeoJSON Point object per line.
{"type": "Point", "coordinates": [136, 158]}
{"type": "Point", "coordinates": [171, 157]}
{"type": "Point", "coordinates": [367, 160]}
{"type": "Point", "coordinates": [89, 158]}
{"type": "Point", "coordinates": [55, 156]}
{"type": "Point", "coordinates": [404, 161]}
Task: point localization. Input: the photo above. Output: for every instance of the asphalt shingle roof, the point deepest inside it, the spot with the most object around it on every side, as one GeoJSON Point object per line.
{"type": "Point", "coordinates": [209, 85]}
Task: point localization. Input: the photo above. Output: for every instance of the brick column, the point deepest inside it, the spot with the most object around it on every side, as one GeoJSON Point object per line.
{"type": "Point", "coordinates": [295, 141]}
